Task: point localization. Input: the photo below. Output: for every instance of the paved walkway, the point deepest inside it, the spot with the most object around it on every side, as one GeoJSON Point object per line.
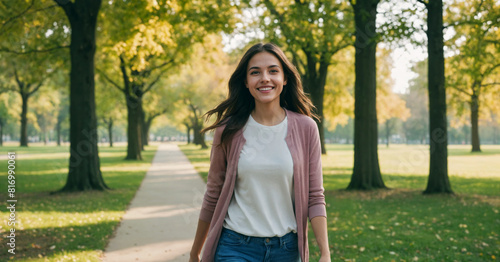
{"type": "Point", "coordinates": [161, 220]}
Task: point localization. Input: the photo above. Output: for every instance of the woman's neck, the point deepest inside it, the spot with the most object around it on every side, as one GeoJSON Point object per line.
{"type": "Point", "coordinates": [268, 115]}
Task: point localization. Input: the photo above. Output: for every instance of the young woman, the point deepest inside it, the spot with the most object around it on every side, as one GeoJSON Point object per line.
{"type": "Point", "coordinates": [265, 178]}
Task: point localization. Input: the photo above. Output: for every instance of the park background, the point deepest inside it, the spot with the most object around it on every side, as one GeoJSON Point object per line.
{"type": "Point", "coordinates": [88, 89]}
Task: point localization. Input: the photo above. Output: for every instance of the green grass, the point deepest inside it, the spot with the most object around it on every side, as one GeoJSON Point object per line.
{"type": "Point", "coordinates": [401, 224]}
{"type": "Point", "coordinates": [66, 227]}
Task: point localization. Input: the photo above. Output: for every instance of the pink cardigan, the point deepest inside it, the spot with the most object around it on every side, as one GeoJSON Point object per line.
{"type": "Point", "coordinates": [304, 145]}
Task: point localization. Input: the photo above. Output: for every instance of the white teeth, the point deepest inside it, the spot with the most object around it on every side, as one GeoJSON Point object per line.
{"type": "Point", "coordinates": [265, 88]}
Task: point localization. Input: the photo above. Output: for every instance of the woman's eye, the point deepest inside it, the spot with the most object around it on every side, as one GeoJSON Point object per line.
{"type": "Point", "coordinates": [274, 71]}
{"type": "Point", "coordinates": [254, 72]}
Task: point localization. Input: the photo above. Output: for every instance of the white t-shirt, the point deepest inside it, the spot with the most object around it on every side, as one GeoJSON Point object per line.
{"type": "Point", "coordinates": [263, 201]}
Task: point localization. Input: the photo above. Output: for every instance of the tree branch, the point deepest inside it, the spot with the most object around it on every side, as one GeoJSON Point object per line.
{"type": "Point", "coordinates": [491, 84]}
{"type": "Point", "coordinates": [423, 2]}
{"type": "Point", "coordinates": [68, 8]}
{"type": "Point", "coordinates": [461, 90]}
{"type": "Point", "coordinates": [489, 70]}
{"type": "Point", "coordinates": [154, 82]}
{"type": "Point", "coordinates": [18, 81]}
{"type": "Point", "coordinates": [126, 81]}
{"type": "Point", "coordinates": [36, 88]}
{"type": "Point", "coordinates": [109, 80]}
{"type": "Point", "coordinates": [16, 16]}
{"type": "Point", "coordinates": [5, 50]}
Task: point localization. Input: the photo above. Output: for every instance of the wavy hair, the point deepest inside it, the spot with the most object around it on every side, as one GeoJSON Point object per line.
{"type": "Point", "coordinates": [235, 110]}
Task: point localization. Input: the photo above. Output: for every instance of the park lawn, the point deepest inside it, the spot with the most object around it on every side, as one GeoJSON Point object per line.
{"type": "Point", "coordinates": [66, 227]}
{"type": "Point", "coordinates": [401, 224]}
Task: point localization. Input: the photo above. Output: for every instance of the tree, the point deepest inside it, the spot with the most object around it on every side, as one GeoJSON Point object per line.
{"type": "Point", "coordinates": [25, 90]}
{"type": "Point", "coordinates": [62, 117]}
{"type": "Point", "coordinates": [438, 181]}
{"type": "Point", "coordinates": [150, 47]}
{"type": "Point", "coordinates": [312, 32]}
{"type": "Point", "coordinates": [26, 60]}
{"type": "Point", "coordinates": [416, 127]}
{"type": "Point", "coordinates": [109, 106]}
{"type": "Point", "coordinates": [366, 172]}
{"type": "Point", "coordinates": [472, 71]}
{"type": "Point", "coordinates": [84, 165]}
{"type": "Point", "coordinates": [200, 86]}
{"type": "Point", "coordinates": [45, 105]}
{"type": "Point", "coordinates": [390, 106]}
{"type": "Point", "coordinates": [156, 105]}
{"type": "Point", "coordinates": [6, 115]}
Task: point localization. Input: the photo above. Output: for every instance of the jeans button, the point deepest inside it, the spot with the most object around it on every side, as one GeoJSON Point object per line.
{"type": "Point", "coordinates": [267, 240]}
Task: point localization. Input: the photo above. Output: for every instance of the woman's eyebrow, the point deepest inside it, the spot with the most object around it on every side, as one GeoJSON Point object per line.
{"type": "Point", "coordinates": [256, 67]}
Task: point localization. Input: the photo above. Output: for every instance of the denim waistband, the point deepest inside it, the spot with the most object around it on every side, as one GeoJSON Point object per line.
{"type": "Point", "coordinates": [289, 237]}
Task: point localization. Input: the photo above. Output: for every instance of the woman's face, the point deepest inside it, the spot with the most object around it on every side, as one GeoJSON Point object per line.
{"type": "Point", "coordinates": [265, 78]}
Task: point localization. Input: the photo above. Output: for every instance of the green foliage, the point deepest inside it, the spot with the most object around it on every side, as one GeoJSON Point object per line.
{"type": "Point", "coordinates": [474, 67]}
{"type": "Point", "coordinates": [67, 227]}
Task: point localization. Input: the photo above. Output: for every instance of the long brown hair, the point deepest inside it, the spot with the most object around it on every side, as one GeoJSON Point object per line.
{"type": "Point", "coordinates": [235, 110]}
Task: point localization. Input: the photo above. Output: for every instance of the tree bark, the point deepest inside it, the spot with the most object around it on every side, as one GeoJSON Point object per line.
{"type": "Point", "coordinates": [188, 131]}
{"type": "Point", "coordinates": [134, 144]}
{"type": "Point", "coordinates": [144, 130]}
{"type": "Point", "coordinates": [58, 131]}
{"type": "Point", "coordinates": [474, 117]}
{"type": "Point", "coordinates": [438, 181]}
{"type": "Point", "coordinates": [24, 119]}
{"type": "Point", "coordinates": [1, 131]}
{"type": "Point", "coordinates": [366, 172]}
{"type": "Point", "coordinates": [314, 85]}
{"type": "Point", "coordinates": [110, 131]}
{"type": "Point", "coordinates": [133, 96]}
{"type": "Point", "coordinates": [84, 165]}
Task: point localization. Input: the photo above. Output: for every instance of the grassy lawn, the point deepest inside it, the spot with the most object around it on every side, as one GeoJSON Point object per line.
{"type": "Point", "coordinates": [66, 227]}
{"type": "Point", "coordinates": [401, 224]}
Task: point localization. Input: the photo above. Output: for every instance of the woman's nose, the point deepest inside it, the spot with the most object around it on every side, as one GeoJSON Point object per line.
{"type": "Point", "coordinates": [265, 77]}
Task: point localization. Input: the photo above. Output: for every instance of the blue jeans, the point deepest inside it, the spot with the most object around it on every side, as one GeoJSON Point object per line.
{"type": "Point", "coordinates": [234, 247]}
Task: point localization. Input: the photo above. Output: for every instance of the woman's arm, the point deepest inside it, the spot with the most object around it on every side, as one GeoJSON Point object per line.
{"type": "Point", "coordinates": [215, 181]}
{"type": "Point", "coordinates": [317, 209]}
{"type": "Point", "coordinates": [321, 233]}
{"type": "Point", "coordinates": [199, 240]}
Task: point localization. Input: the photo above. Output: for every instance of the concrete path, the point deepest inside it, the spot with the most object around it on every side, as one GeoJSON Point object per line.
{"type": "Point", "coordinates": [161, 220]}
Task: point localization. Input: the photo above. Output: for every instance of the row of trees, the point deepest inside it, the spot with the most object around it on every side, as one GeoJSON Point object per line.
{"type": "Point", "coordinates": [156, 47]}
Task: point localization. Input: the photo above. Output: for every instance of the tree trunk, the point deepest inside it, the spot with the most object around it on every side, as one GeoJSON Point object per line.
{"type": "Point", "coordinates": [134, 128]}
{"type": "Point", "coordinates": [438, 170]}
{"type": "Point", "coordinates": [45, 137]}
{"type": "Point", "coordinates": [314, 84]}
{"type": "Point", "coordinates": [84, 165]}
{"type": "Point", "coordinates": [144, 130]}
{"type": "Point", "coordinates": [1, 132]}
{"type": "Point", "coordinates": [201, 137]}
{"type": "Point", "coordinates": [133, 97]}
{"type": "Point", "coordinates": [474, 118]}
{"type": "Point", "coordinates": [24, 119]}
{"type": "Point", "coordinates": [147, 127]}
{"type": "Point", "coordinates": [196, 134]}
{"type": "Point", "coordinates": [366, 172]}
{"type": "Point", "coordinates": [110, 131]}
{"type": "Point", "coordinates": [188, 130]}
{"type": "Point", "coordinates": [387, 132]}
{"type": "Point", "coordinates": [58, 131]}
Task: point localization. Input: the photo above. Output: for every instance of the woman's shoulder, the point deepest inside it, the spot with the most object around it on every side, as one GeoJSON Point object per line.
{"type": "Point", "coordinates": [301, 120]}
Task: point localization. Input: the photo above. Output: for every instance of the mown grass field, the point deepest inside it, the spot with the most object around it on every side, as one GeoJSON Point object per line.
{"type": "Point", "coordinates": [401, 224]}
{"type": "Point", "coordinates": [65, 227]}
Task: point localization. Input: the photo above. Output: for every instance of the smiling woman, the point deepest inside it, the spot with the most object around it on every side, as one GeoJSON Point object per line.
{"type": "Point", "coordinates": [265, 178]}
{"type": "Point", "coordinates": [265, 80]}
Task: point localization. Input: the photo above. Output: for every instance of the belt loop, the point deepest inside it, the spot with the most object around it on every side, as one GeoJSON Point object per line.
{"type": "Point", "coordinates": [248, 238]}
{"type": "Point", "coordinates": [282, 241]}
